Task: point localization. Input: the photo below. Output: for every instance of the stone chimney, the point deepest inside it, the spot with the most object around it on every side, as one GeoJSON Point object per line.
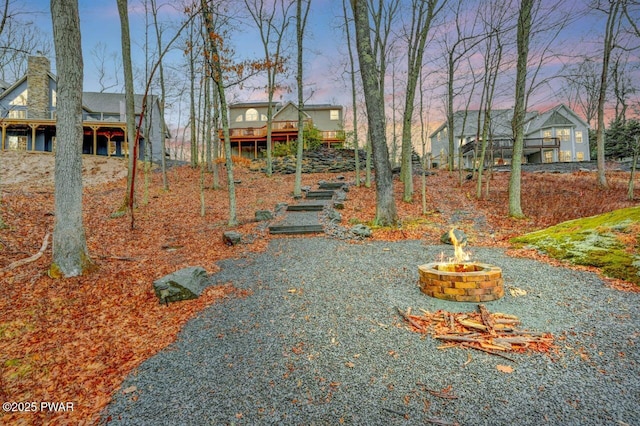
{"type": "Point", "coordinates": [38, 87]}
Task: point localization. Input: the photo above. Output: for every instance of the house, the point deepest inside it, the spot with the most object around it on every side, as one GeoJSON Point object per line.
{"type": "Point", "coordinates": [248, 125]}
{"type": "Point", "coordinates": [28, 116]}
{"type": "Point", "coordinates": [556, 135]}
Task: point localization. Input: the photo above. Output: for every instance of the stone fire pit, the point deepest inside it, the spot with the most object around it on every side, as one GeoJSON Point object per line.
{"type": "Point", "coordinates": [461, 282]}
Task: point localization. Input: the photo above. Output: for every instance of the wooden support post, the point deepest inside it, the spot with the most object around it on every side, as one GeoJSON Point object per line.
{"type": "Point", "coordinates": [95, 139]}
{"type": "Point", "coordinates": [34, 128]}
{"type": "Point", "coordinates": [3, 143]}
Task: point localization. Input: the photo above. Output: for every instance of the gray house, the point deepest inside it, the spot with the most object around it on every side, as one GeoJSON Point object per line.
{"type": "Point", "coordinates": [556, 135]}
{"type": "Point", "coordinates": [28, 116]}
{"type": "Point", "coordinates": [248, 125]}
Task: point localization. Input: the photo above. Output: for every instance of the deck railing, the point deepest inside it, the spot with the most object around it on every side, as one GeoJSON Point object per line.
{"type": "Point", "coordinates": [498, 144]}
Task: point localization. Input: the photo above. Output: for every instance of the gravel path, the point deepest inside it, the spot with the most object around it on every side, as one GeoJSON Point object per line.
{"type": "Point", "coordinates": [320, 342]}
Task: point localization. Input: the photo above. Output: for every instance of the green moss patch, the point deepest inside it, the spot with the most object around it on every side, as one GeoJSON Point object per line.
{"type": "Point", "coordinates": [609, 241]}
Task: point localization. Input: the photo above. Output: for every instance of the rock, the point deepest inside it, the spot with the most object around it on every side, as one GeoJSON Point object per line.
{"type": "Point", "coordinates": [263, 215]}
{"type": "Point", "coordinates": [334, 216]}
{"type": "Point", "coordinates": [185, 284]}
{"type": "Point", "coordinates": [361, 230]}
{"type": "Point", "coordinates": [340, 196]}
{"type": "Point", "coordinates": [231, 238]}
{"type": "Point", "coordinates": [281, 208]}
{"type": "Point", "coordinates": [460, 236]}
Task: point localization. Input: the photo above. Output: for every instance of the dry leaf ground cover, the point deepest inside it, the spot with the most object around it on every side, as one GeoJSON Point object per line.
{"type": "Point", "coordinates": [74, 340]}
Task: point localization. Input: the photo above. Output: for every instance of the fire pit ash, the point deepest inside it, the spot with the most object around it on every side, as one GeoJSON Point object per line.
{"type": "Point", "coordinates": [459, 280]}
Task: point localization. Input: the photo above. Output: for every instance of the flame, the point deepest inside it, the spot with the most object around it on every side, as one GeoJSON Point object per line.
{"type": "Point", "coordinates": [459, 254]}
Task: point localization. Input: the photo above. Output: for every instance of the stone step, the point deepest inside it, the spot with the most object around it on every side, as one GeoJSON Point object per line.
{"type": "Point", "coordinates": [331, 185]}
{"type": "Point", "coordinates": [295, 229]}
{"type": "Point", "coordinates": [307, 206]}
{"type": "Point", "coordinates": [320, 195]}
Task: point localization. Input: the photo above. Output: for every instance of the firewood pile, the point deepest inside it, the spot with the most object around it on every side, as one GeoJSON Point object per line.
{"type": "Point", "coordinates": [493, 333]}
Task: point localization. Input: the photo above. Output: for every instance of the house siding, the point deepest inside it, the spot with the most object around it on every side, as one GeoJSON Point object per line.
{"type": "Point", "coordinates": [553, 121]}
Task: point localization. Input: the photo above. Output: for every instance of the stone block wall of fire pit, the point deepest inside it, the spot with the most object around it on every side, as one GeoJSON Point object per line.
{"type": "Point", "coordinates": [476, 282]}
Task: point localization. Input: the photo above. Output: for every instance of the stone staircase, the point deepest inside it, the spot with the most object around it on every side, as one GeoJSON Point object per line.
{"type": "Point", "coordinates": [304, 216]}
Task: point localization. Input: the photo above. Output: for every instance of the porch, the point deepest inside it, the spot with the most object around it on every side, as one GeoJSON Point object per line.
{"type": "Point", "coordinates": [500, 151]}
{"type": "Point", "coordinates": [251, 142]}
{"type": "Point", "coordinates": [102, 134]}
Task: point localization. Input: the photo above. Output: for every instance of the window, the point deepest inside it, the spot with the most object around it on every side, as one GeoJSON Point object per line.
{"type": "Point", "coordinates": [563, 134]}
{"type": "Point", "coordinates": [548, 156]}
{"type": "Point", "coordinates": [20, 100]}
{"type": "Point", "coordinates": [239, 119]}
{"type": "Point", "coordinates": [17, 113]}
{"type": "Point", "coordinates": [263, 117]}
{"type": "Point", "coordinates": [580, 156]}
{"type": "Point", "coordinates": [17, 143]}
{"type": "Point", "coordinates": [334, 114]}
{"type": "Point", "coordinates": [251, 114]}
{"type": "Point", "coordinates": [54, 98]}
{"type": "Point", "coordinates": [579, 136]}
{"type": "Point", "coordinates": [565, 156]}
{"type": "Point", "coordinates": [546, 135]}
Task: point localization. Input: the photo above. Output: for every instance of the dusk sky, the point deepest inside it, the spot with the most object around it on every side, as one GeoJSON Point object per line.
{"type": "Point", "coordinates": [325, 47]}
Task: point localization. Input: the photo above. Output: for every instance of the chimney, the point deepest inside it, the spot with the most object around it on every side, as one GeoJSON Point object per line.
{"type": "Point", "coordinates": [38, 87]}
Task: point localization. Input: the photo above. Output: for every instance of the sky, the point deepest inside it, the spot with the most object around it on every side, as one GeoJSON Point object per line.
{"type": "Point", "coordinates": [325, 48]}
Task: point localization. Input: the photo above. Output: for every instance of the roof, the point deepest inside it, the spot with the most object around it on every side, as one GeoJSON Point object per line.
{"type": "Point", "coordinates": [110, 102]}
{"type": "Point", "coordinates": [278, 106]}
{"type": "Point", "coordinates": [501, 121]}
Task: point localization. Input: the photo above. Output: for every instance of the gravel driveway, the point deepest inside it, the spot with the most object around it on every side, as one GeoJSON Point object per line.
{"type": "Point", "coordinates": [320, 342]}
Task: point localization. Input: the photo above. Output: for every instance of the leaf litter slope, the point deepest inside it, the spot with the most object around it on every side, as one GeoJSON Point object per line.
{"type": "Point", "coordinates": [77, 339]}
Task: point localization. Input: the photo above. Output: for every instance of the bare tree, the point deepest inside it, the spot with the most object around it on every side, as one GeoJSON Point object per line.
{"type": "Point", "coordinates": [272, 20]}
{"type": "Point", "coordinates": [520, 108]}
{"type": "Point", "coordinates": [70, 252]}
{"type": "Point", "coordinates": [582, 87]}
{"type": "Point", "coordinates": [129, 101]}
{"type": "Point", "coordinates": [163, 94]}
{"type": "Point", "coordinates": [352, 74]}
{"type": "Point", "coordinates": [302, 12]}
{"type": "Point", "coordinates": [215, 61]}
{"type": "Point", "coordinates": [20, 38]}
{"type": "Point", "coordinates": [464, 41]}
{"type": "Point", "coordinates": [102, 59]}
{"type": "Point", "coordinates": [386, 213]}
{"type": "Point", "coordinates": [423, 13]}
{"type": "Point", "coordinates": [613, 11]}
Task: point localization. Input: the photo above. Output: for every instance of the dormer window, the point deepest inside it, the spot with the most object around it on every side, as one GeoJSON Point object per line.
{"type": "Point", "coordinates": [251, 114]}
{"type": "Point", "coordinates": [334, 114]}
{"type": "Point", "coordinates": [239, 119]}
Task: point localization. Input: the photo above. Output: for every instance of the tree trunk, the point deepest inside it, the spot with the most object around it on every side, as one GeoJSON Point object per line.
{"type": "Point", "coordinates": [632, 175]}
{"type": "Point", "coordinates": [301, 22]}
{"type": "Point", "coordinates": [520, 108]}
{"type": "Point", "coordinates": [129, 100]}
{"type": "Point", "coordinates": [70, 252]}
{"type": "Point", "coordinates": [609, 38]}
{"type": "Point", "coordinates": [386, 213]}
{"type": "Point", "coordinates": [352, 73]}
{"type": "Point", "coordinates": [218, 78]}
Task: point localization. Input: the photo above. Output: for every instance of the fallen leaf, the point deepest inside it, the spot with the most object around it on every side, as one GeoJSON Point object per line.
{"type": "Point", "coordinates": [350, 364]}
{"type": "Point", "coordinates": [129, 389]}
{"type": "Point", "coordinates": [504, 368]}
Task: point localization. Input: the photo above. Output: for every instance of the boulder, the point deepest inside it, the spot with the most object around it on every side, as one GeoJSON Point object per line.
{"type": "Point", "coordinates": [334, 216]}
{"type": "Point", "coordinates": [231, 238]}
{"type": "Point", "coordinates": [361, 230]}
{"type": "Point", "coordinates": [263, 215]}
{"type": "Point", "coordinates": [460, 236]}
{"type": "Point", "coordinates": [185, 284]}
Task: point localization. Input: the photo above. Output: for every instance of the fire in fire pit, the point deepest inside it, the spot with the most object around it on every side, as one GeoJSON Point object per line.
{"type": "Point", "coordinates": [460, 280]}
